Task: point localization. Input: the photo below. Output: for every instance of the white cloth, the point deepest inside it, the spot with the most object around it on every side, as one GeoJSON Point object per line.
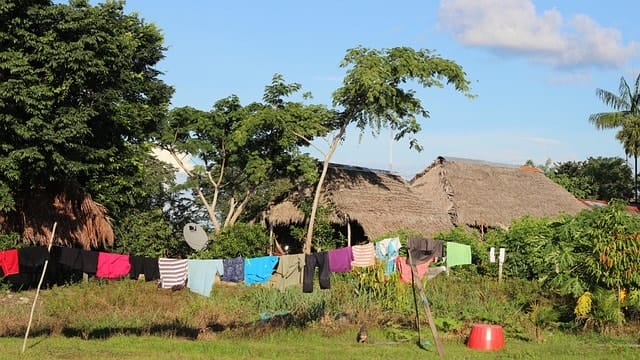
{"type": "Point", "coordinates": [172, 272]}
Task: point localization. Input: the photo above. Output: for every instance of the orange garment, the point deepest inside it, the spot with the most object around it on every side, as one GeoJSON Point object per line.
{"type": "Point", "coordinates": [9, 262]}
{"type": "Point", "coordinates": [405, 270]}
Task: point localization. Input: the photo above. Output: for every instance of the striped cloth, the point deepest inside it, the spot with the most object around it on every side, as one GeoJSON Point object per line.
{"type": "Point", "coordinates": [172, 272]}
{"type": "Point", "coordinates": [363, 255]}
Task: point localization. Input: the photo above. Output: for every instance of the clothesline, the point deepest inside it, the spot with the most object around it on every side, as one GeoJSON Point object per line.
{"type": "Point", "coordinates": [199, 275]}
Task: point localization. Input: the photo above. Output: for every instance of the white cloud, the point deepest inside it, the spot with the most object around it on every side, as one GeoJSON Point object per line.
{"type": "Point", "coordinates": [165, 156]}
{"type": "Point", "coordinates": [514, 27]}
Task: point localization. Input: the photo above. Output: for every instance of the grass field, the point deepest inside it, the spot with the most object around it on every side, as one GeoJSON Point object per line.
{"type": "Point", "coordinates": [135, 320]}
{"type": "Point", "coordinates": [307, 344]}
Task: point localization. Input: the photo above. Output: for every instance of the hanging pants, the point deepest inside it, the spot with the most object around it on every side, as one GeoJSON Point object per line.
{"type": "Point", "coordinates": [311, 261]}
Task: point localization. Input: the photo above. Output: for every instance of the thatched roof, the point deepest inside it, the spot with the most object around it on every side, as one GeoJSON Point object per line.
{"type": "Point", "coordinates": [81, 222]}
{"type": "Point", "coordinates": [380, 201]}
{"type": "Point", "coordinates": [479, 193]}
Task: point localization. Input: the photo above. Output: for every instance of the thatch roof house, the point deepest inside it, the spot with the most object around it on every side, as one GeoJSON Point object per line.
{"type": "Point", "coordinates": [365, 202]}
{"type": "Point", "coordinates": [450, 192]}
{"type": "Point", "coordinates": [487, 195]}
{"type": "Point", "coordinates": [81, 222]}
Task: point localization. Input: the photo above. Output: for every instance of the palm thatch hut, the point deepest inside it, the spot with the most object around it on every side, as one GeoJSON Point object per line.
{"type": "Point", "coordinates": [82, 222]}
{"type": "Point", "coordinates": [365, 204]}
{"type": "Point", "coordinates": [487, 195]}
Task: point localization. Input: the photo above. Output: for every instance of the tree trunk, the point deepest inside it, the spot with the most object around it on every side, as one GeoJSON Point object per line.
{"type": "Point", "coordinates": [635, 177]}
{"type": "Point", "coordinates": [316, 197]}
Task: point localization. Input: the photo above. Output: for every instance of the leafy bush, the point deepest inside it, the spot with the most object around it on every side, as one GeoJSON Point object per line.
{"type": "Point", "coordinates": [242, 239]}
{"type": "Point", "coordinates": [9, 240]}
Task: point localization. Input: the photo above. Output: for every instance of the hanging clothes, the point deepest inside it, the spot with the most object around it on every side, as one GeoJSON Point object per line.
{"type": "Point", "coordinates": [458, 254]}
{"type": "Point", "coordinates": [404, 269]}
{"type": "Point", "coordinates": [340, 259]}
{"type": "Point", "coordinates": [173, 272]}
{"type": "Point", "coordinates": [218, 265]}
{"type": "Point", "coordinates": [33, 256]}
{"type": "Point", "coordinates": [258, 270]}
{"type": "Point", "coordinates": [144, 265]}
{"type": "Point", "coordinates": [82, 260]}
{"type": "Point", "coordinates": [112, 266]}
{"type": "Point", "coordinates": [289, 271]}
{"type": "Point", "coordinates": [321, 261]}
{"type": "Point", "coordinates": [363, 255]}
{"type": "Point", "coordinates": [233, 269]}
{"type": "Point", "coordinates": [201, 276]}
{"type": "Point", "coordinates": [424, 250]}
{"type": "Point", "coordinates": [387, 251]}
{"type": "Point", "coordinates": [9, 262]}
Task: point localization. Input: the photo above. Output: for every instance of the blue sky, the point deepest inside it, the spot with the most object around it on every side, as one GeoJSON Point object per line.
{"type": "Point", "coordinates": [534, 66]}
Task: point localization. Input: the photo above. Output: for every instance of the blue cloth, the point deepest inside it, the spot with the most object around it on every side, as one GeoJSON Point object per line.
{"type": "Point", "coordinates": [201, 275]}
{"type": "Point", "coordinates": [233, 269]}
{"type": "Point", "coordinates": [259, 270]}
{"type": "Point", "coordinates": [388, 250]}
{"type": "Point", "coordinates": [218, 264]}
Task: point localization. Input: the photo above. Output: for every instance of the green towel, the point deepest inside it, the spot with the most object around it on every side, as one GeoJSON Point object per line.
{"type": "Point", "coordinates": [458, 254]}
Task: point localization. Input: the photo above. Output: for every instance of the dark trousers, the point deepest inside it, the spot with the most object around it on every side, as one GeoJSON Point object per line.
{"type": "Point", "coordinates": [311, 261]}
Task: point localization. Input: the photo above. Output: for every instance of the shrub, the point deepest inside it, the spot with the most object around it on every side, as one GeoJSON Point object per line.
{"type": "Point", "coordinates": [242, 239]}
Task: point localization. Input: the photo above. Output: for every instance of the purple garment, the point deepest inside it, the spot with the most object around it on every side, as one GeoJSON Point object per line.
{"type": "Point", "coordinates": [340, 259]}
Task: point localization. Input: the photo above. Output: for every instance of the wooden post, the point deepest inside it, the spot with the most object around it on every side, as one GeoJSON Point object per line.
{"type": "Point", "coordinates": [415, 280]}
{"type": "Point", "coordinates": [348, 233]}
{"type": "Point", "coordinates": [35, 298]}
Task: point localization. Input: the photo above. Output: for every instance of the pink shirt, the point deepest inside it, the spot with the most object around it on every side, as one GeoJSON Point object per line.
{"type": "Point", "coordinates": [405, 270]}
{"type": "Point", "coordinates": [112, 266]}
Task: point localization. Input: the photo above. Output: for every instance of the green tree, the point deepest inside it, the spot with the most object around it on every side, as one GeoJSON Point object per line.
{"type": "Point", "coordinates": [376, 94]}
{"type": "Point", "coordinates": [79, 96]}
{"type": "Point", "coordinates": [237, 149]}
{"type": "Point", "coordinates": [625, 117]}
{"type": "Point", "coordinates": [602, 178]}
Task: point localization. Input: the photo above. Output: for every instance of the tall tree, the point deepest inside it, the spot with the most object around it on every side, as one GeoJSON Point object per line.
{"type": "Point", "coordinates": [238, 148]}
{"type": "Point", "coordinates": [625, 117]}
{"type": "Point", "coordinates": [376, 94]}
{"type": "Point", "coordinates": [79, 95]}
{"type": "Point", "coordinates": [603, 178]}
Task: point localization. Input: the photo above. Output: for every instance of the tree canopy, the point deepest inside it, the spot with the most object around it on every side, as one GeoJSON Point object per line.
{"type": "Point", "coordinates": [237, 149]}
{"type": "Point", "coordinates": [625, 118]}
{"type": "Point", "coordinates": [79, 92]}
{"type": "Point", "coordinates": [601, 178]}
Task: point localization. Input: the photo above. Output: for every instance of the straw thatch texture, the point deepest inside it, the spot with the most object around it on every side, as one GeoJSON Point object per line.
{"type": "Point", "coordinates": [482, 194]}
{"type": "Point", "coordinates": [82, 222]}
{"type": "Point", "coordinates": [379, 201]}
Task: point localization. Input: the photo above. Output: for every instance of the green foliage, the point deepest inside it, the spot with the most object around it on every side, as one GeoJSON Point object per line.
{"type": "Point", "coordinates": [602, 178]}
{"type": "Point", "coordinates": [615, 252]}
{"type": "Point", "coordinates": [371, 284]}
{"type": "Point", "coordinates": [325, 236]}
{"type": "Point", "coordinates": [373, 96]}
{"type": "Point", "coordinates": [9, 240]}
{"type": "Point", "coordinates": [542, 316]}
{"type": "Point", "coordinates": [605, 312]}
{"type": "Point", "coordinates": [78, 90]}
{"type": "Point", "coordinates": [242, 239]}
{"type": "Point", "coordinates": [148, 233]}
{"type": "Point", "coordinates": [243, 149]}
{"type": "Point", "coordinates": [529, 245]}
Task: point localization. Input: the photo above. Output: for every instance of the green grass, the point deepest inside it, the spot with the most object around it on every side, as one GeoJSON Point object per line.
{"type": "Point", "coordinates": [304, 344]}
{"type": "Point", "coordinates": [135, 320]}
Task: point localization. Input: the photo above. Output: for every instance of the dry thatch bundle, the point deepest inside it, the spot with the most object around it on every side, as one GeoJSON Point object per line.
{"type": "Point", "coordinates": [82, 222]}
{"type": "Point", "coordinates": [478, 193]}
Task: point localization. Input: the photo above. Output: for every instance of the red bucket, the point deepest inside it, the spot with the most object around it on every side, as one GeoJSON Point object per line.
{"type": "Point", "coordinates": [486, 337]}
